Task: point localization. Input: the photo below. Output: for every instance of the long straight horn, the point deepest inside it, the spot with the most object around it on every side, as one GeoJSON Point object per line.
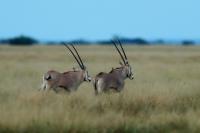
{"type": "Point", "coordinates": [83, 66]}
{"type": "Point", "coordinates": [72, 54]}
{"type": "Point", "coordinates": [126, 59]}
{"type": "Point", "coordinates": [119, 52]}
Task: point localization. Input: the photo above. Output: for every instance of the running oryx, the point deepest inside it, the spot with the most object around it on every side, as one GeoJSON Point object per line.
{"type": "Point", "coordinates": [114, 80]}
{"type": "Point", "coordinates": [70, 80]}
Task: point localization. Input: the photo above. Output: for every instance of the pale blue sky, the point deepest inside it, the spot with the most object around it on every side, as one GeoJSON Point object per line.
{"type": "Point", "coordinates": [100, 19]}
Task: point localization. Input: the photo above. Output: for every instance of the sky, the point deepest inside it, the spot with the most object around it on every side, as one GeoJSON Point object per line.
{"type": "Point", "coordinates": [100, 19]}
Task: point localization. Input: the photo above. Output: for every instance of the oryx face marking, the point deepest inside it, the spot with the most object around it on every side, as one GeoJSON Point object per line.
{"type": "Point", "coordinates": [129, 72]}
{"type": "Point", "coordinates": [87, 77]}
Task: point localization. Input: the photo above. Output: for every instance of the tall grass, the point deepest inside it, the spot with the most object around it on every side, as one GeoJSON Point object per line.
{"type": "Point", "coordinates": [163, 97]}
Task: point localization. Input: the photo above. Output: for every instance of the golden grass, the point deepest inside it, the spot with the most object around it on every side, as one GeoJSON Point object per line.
{"type": "Point", "coordinates": [163, 97]}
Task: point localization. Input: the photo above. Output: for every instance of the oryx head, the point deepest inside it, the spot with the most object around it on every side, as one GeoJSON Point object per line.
{"type": "Point", "coordinates": [86, 76]}
{"type": "Point", "coordinates": [125, 65]}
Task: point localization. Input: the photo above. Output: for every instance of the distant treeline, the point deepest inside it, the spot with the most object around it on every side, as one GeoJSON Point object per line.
{"type": "Point", "coordinates": [26, 40]}
{"type": "Point", "coordinates": [19, 40]}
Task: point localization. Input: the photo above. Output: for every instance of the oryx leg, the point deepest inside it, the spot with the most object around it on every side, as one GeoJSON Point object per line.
{"type": "Point", "coordinates": [44, 86]}
{"type": "Point", "coordinates": [99, 86]}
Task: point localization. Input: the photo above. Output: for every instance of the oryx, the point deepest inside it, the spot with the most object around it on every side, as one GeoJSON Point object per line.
{"type": "Point", "coordinates": [70, 80]}
{"type": "Point", "coordinates": [114, 80]}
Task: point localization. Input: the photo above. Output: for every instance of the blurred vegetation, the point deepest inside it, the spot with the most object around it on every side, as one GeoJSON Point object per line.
{"type": "Point", "coordinates": [20, 40]}
{"type": "Point", "coordinates": [26, 40]}
{"type": "Point", "coordinates": [164, 97]}
{"type": "Point", "coordinates": [188, 42]}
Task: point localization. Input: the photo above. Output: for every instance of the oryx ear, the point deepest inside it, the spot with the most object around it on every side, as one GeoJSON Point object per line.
{"type": "Point", "coordinates": [75, 69]}
{"type": "Point", "coordinates": [126, 62]}
{"type": "Point", "coordinates": [121, 63]}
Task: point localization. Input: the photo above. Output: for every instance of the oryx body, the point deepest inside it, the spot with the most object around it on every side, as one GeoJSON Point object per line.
{"type": "Point", "coordinates": [69, 81]}
{"type": "Point", "coordinates": [114, 80]}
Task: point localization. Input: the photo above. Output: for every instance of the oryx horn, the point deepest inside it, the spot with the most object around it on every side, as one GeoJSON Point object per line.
{"type": "Point", "coordinates": [126, 59]}
{"type": "Point", "coordinates": [119, 52]}
{"type": "Point", "coordinates": [78, 56]}
{"type": "Point", "coordinates": [73, 55]}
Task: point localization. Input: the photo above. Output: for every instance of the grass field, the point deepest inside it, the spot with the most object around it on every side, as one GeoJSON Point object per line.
{"type": "Point", "coordinates": [163, 97]}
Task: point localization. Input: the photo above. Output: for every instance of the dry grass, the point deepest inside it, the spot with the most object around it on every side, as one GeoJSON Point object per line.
{"type": "Point", "coordinates": [164, 97]}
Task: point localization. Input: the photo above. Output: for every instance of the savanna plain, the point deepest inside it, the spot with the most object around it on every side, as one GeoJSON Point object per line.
{"type": "Point", "coordinates": [164, 96]}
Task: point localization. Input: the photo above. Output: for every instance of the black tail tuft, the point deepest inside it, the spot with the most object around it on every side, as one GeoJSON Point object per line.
{"type": "Point", "coordinates": [95, 84]}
